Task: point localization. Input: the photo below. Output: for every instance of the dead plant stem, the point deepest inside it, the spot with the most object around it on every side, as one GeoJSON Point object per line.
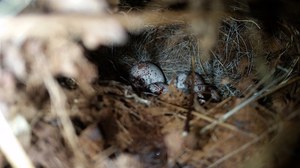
{"type": "Point", "coordinates": [243, 147]}
{"type": "Point", "coordinates": [58, 101]}
{"type": "Point", "coordinates": [11, 147]}
{"type": "Point", "coordinates": [262, 93]}
{"type": "Point", "coordinates": [211, 120]}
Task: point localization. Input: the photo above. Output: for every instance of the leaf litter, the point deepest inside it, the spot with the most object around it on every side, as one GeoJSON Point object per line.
{"type": "Point", "coordinates": [67, 99]}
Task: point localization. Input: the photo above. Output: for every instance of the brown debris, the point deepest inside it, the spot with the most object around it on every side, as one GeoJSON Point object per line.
{"type": "Point", "coordinates": [65, 113]}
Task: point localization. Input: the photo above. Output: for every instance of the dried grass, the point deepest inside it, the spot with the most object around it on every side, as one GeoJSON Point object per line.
{"type": "Point", "coordinates": [106, 124]}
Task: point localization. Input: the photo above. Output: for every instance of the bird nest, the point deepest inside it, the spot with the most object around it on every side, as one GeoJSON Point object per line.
{"type": "Point", "coordinates": [67, 99]}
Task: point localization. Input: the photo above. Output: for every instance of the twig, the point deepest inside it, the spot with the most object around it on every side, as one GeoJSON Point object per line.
{"type": "Point", "coordinates": [265, 110]}
{"type": "Point", "coordinates": [58, 100]}
{"type": "Point", "coordinates": [243, 147]}
{"type": "Point", "coordinates": [236, 109]}
{"type": "Point", "coordinates": [211, 120]}
{"type": "Point", "coordinates": [125, 130]}
{"type": "Point", "coordinates": [247, 145]}
{"type": "Point", "coordinates": [219, 105]}
{"type": "Point", "coordinates": [282, 85]}
{"type": "Point", "coordinates": [103, 157]}
{"type": "Point", "coordinates": [261, 82]}
{"type": "Point", "coordinates": [225, 125]}
{"type": "Point", "coordinates": [191, 77]}
{"type": "Point", "coordinates": [11, 147]}
{"type": "Point", "coordinates": [229, 113]}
